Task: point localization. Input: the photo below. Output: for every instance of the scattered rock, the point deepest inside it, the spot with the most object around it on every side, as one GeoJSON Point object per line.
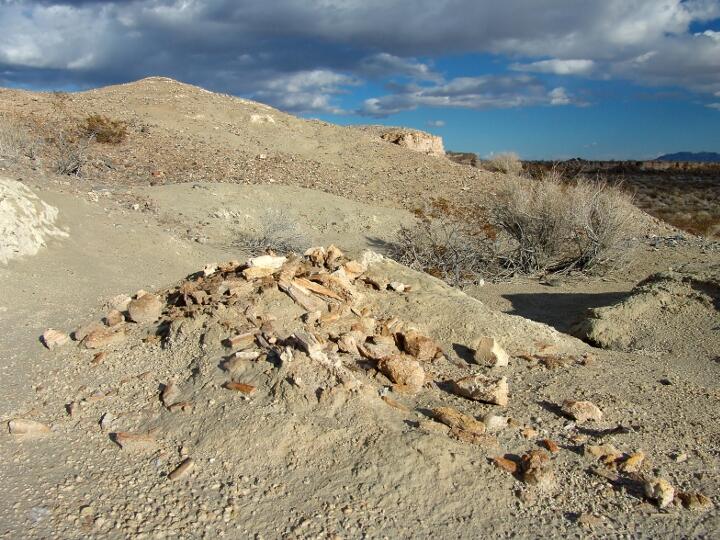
{"type": "Point", "coordinates": [54, 338]}
{"type": "Point", "coordinates": [103, 337]}
{"type": "Point", "coordinates": [396, 286]}
{"type": "Point", "coordinates": [145, 309]}
{"type": "Point", "coordinates": [258, 272]}
{"type": "Point", "coordinates": [551, 445]}
{"type": "Point", "coordinates": [696, 502]}
{"type": "Point", "coordinates": [488, 352]}
{"type": "Point", "coordinates": [495, 423]}
{"type": "Point", "coordinates": [243, 388]}
{"type": "Point", "coordinates": [120, 302]}
{"type": "Point", "coordinates": [114, 317]}
{"type": "Point", "coordinates": [483, 388]}
{"type": "Point", "coordinates": [169, 394]}
{"type": "Point", "coordinates": [21, 426]}
{"type": "Point", "coordinates": [266, 261]}
{"type": "Point", "coordinates": [134, 441]}
{"type": "Point", "coordinates": [536, 469]}
{"type": "Point", "coordinates": [182, 470]}
{"type": "Point", "coordinates": [506, 464]}
{"type": "Point", "coordinates": [415, 140]}
{"type": "Point", "coordinates": [634, 463]}
{"type": "Point", "coordinates": [402, 370]}
{"type": "Point", "coordinates": [421, 347]}
{"type": "Point", "coordinates": [81, 332]}
{"type": "Point", "coordinates": [582, 411]}
{"type": "Point", "coordinates": [660, 491]}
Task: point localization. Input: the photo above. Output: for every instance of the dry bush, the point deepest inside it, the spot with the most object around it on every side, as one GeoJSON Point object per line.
{"type": "Point", "coordinates": [508, 163]}
{"type": "Point", "coordinates": [526, 226]}
{"type": "Point", "coordinates": [104, 129]}
{"type": "Point", "coordinates": [70, 152]}
{"type": "Point", "coordinates": [552, 226]}
{"type": "Point", "coordinates": [448, 242]}
{"type": "Point", "coordinates": [276, 231]}
{"type": "Point", "coordinates": [16, 142]}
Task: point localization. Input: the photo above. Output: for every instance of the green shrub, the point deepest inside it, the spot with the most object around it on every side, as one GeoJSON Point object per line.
{"type": "Point", "coordinates": [105, 130]}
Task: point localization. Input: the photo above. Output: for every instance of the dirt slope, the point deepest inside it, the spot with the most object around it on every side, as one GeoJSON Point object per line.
{"type": "Point", "coordinates": [182, 133]}
{"type": "Point", "coordinates": [314, 451]}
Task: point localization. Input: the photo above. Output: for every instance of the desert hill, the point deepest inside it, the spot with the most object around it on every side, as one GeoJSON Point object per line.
{"type": "Point", "coordinates": [698, 157]}
{"type": "Point", "coordinates": [165, 377]}
{"type": "Point", "coordinates": [180, 133]}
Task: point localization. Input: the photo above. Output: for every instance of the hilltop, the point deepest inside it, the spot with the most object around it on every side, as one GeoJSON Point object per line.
{"type": "Point", "coordinates": [695, 157]}
{"type": "Point", "coordinates": [165, 375]}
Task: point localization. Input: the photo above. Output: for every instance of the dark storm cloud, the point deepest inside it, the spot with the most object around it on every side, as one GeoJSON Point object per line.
{"type": "Point", "coordinates": [302, 54]}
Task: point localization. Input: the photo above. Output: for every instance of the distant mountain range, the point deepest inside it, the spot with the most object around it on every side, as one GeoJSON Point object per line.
{"type": "Point", "coordinates": [699, 157]}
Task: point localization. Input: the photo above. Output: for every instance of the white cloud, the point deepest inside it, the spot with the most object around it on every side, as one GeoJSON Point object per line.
{"type": "Point", "coordinates": [558, 96]}
{"type": "Point", "coordinates": [715, 106]}
{"type": "Point", "coordinates": [241, 46]}
{"type": "Point", "coordinates": [485, 92]}
{"type": "Point", "coordinates": [306, 91]}
{"type": "Point", "coordinates": [436, 123]}
{"type": "Point", "coordinates": [557, 67]}
{"type": "Point", "coordinates": [385, 64]}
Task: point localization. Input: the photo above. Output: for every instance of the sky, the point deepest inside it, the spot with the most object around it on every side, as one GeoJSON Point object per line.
{"type": "Point", "coordinates": [547, 79]}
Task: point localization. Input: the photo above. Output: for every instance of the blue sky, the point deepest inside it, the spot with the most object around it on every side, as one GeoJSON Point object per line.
{"type": "Point", "coordinates": [552, 79]}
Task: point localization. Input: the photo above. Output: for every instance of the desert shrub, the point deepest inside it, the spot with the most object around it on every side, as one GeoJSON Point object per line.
{"type": "Point", "coordinates": [16, 142]}
{"type": "Point", "coordinates": [508, 163]}
{"type": "Point", "coordinates": [553, 226]}
{"type": "Point", "coordinates": [70, 152]}
{"type": "Point", "coordinates": [525, 226]}
{"type": "Point", "coordinates": [275, 230]}
{"type": "Point", "coordinates": [448, 242]}
{"type": "Point", "coordinates": [104, 129]}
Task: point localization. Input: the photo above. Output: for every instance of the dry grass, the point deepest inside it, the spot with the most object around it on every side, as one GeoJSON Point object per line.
{"type": "Point", "coordinates": [445, 244]}
{"type": "Point", "coordinates": [70, 152]}
{"type": "Point", "coordinates": [554, 226]}
{"type": "Point", "coordinates": [526, 226]}
{"type": "Point", "coordinates": [105, 130]}
{"type": "Point", "coordinates": [16, 142]}
{"type": "Point", "coordinates": [508, 163]}
{"type": "Point", "coordinates": [275, 231]}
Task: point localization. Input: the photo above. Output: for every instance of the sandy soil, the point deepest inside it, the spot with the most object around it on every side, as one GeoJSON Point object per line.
{"type": "Point", "coordinates": [315, 451]}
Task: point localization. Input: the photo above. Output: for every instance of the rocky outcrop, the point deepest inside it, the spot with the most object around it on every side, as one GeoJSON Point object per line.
{"type": "Point", "coordinates": [417, 141]}
{"type": "Point", "coordinates": [25, 221]}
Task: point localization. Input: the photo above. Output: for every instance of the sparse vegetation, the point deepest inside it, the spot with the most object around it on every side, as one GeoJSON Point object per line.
{"type": "Point", "coordinates": [71, 153]}
{"type": "Point", "coordinates": [508, 163]}
{"type": "Point", "coordinates": [105, 130]}
{"type": "Point", "coordinates": [276, 231]}
{"type": "Point", "coordinates": [526, 226]}
{"type": "Point", "coordinates": [15, 142]}
{"type": "Point", "coordinates": [445, 244]}
{"type": "Point", "coordinates": [553, 226]}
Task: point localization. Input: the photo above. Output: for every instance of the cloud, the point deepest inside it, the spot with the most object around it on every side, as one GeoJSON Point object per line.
{"type": "Point", "coordinates": [557, 67]}
{"type": "Point", "coordinates": [715, 106]}
{"type": "Point", "coordinates": [388, 65]}
{"type": "Point", "coordinates": [305, 91]}
{"type": "Point", "coordinates": [558, 96]}
{"type": "Point", "coordinates": [484, 92]}
{"type": "Point", "coordinates": [436, 123]}
{"type": "Point", "coordinates": [252, 47]}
